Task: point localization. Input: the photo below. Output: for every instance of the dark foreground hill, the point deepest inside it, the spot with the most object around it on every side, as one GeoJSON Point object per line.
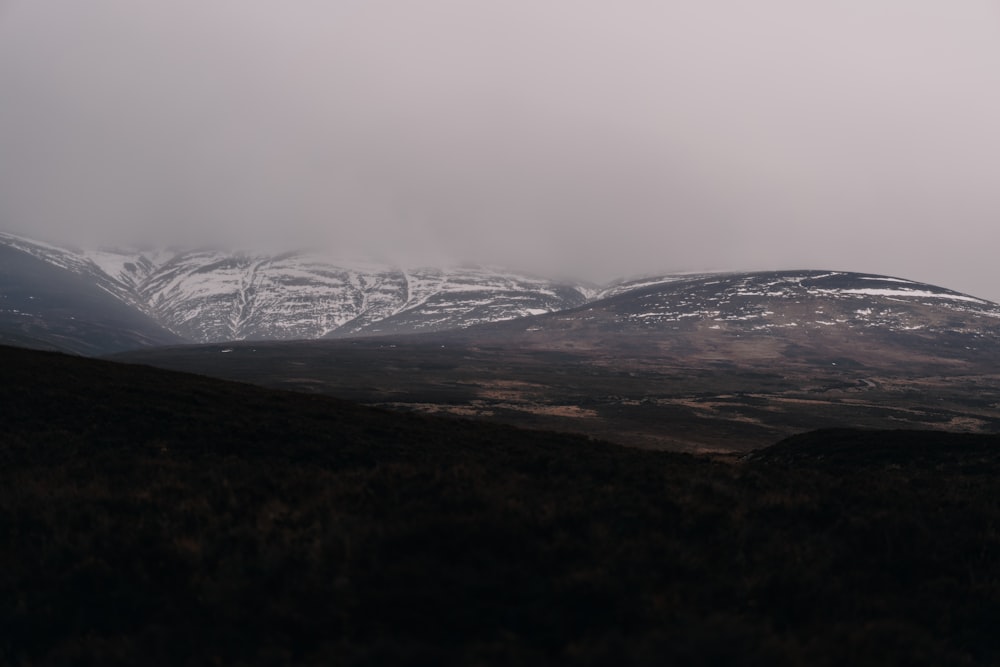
{"type": "Point", "coordinates": [149, 517]}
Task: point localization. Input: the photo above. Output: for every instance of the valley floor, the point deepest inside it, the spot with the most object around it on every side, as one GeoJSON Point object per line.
{"type": "Point", "coordinates": [636, 398]}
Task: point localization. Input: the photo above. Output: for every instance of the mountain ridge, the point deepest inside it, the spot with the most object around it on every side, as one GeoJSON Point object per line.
{"type": "Point", "coordinates": [213, 296]}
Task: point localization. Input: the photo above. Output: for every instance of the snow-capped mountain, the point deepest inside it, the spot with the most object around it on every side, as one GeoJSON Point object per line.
{"type": "Point", "coordinates": [783, 315]}
{"type": "Point", "coordinates": [210, 296]}
{"type": "Point", "coordinates": [764, 301]}
{"type": "Point", "coordinates": [207, 296]}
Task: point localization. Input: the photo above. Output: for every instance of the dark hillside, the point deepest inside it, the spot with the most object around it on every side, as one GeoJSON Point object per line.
{"type": "Point", "coordinates": [856, 448]}
{"type": "Point", "coordinates": [149, 517]}
{"type": "Point", "coordinates": [46, 307]}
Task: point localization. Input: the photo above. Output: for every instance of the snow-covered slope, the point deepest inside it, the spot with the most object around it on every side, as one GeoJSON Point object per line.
{"type": "Point", "coordinates": [459, 298]}
{"type": "Point", "coordinates": [211, 296]}
{"type": "Point", "coordinates": [765, 301]}
{"type": "Point", "coordinates": [215, 296]}
{"type": "Point", "coordinates": [781, 316]}
{"type": "Point", "coordinates": [624, 285]}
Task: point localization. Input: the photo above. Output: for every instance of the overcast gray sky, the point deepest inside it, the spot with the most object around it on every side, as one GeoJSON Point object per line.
{"type": "Point", "coordinates": [586, 137]}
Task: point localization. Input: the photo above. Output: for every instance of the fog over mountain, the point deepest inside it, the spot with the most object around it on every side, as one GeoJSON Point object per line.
{"type": "Point", "coordinates": [585, 138]}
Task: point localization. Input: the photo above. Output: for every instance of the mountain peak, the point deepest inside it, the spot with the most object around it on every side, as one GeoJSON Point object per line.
{"type": "Point", "coordinates": [210, 295]}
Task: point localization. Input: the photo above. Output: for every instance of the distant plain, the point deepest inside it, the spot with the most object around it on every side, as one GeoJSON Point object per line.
{"type": "Point", "coordinates": [627, 392]}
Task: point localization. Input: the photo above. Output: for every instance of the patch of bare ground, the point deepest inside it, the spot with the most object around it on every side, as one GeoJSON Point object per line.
{"type": "Point", "coordinates": [439, 409]}
{"type": "Point", "coordinates": [967, 425]}
{"type": "Point", "coordinates": [490, 408]}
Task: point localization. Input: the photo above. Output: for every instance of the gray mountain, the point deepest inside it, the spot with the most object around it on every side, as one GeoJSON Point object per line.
{"type": "Point", "coordinates": [208, 296]}
{"type": "Point", "coordinates": [211, 296]}
{"type": "Point", "coordinates": [876, 320]}
{"type": "Point", "coordinates": [47, 307]}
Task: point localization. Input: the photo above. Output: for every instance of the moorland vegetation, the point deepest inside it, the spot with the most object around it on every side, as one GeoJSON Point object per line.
{"type": "Point", "coordinates": [156, 517]}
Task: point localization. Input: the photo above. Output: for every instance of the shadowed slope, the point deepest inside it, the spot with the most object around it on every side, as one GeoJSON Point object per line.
{"type": "Point", "coordinates": [48, 307]}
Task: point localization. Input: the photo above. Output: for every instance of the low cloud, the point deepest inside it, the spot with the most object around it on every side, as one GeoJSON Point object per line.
{"type": "Point", "coordinates": [579, 137]}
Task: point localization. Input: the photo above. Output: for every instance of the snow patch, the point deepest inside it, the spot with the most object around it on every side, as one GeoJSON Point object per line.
{"type": "Point", "coordinates": [910, 294]}
{"type": "Point", "coordinates": [889, 280]}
